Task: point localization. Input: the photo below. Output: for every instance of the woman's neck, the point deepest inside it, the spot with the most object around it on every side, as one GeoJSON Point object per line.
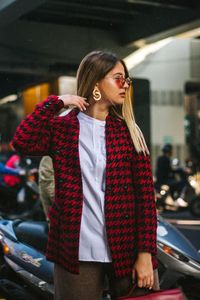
{"type": "Point", "coordinates": [97, 111]}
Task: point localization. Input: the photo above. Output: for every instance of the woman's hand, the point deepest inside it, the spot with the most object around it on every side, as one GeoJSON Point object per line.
{"type": "Point", "coordinates": [74, 100]}
{"type": "Point", "coordinates": [143, 270]}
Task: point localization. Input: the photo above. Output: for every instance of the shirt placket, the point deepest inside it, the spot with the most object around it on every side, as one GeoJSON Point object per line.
{"type": "Point", "coordinates": [98, 167]}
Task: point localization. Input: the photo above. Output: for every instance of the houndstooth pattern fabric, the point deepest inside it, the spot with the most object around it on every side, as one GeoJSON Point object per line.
{"type": "Point", "coordinates": [130, 210]}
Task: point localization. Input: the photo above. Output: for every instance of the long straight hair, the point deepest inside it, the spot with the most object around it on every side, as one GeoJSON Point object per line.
{"type": "Point", "coordinates": [93, 68]}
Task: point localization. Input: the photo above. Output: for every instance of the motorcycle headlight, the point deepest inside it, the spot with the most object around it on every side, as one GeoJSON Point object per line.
{"type": "Point", "coordinates": [162, 192]}
{"type": "Point", "coordinates": [170, 251]}
{"type": "Point", "coordinates": [6, 249]}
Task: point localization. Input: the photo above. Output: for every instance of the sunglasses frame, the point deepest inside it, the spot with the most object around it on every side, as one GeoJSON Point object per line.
{"type": "Point", "coordinates": [120, 80]}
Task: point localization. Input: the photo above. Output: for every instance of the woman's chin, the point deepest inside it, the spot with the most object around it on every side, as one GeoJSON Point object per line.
{"type": "Point", "coordinates": [120, 101]}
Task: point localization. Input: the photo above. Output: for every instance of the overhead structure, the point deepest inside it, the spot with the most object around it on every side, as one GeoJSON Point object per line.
{"type": "Point", "coordinates": [43, 39]}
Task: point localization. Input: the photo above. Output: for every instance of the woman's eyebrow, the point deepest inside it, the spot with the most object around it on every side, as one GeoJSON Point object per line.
{"type": "Point", "coordinates": [119, 73]}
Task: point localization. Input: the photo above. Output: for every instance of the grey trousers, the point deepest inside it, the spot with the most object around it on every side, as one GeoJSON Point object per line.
{"type": "Point", "coordinates": [90, 282]}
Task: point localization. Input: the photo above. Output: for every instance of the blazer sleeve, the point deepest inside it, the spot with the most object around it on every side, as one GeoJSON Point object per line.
{"type": "Point", "coordinates": [32, 136]}
{"type": "Point", "coordinates": [146, 213]}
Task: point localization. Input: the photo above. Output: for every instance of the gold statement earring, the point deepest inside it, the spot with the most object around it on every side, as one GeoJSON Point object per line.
{"type": "Point", "coordinates": [96, 94]}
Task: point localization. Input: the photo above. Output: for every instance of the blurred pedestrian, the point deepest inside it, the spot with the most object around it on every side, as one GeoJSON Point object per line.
{"type": "Point", "coordinates": [164, 171]}
{"type": "Point", "coordinates": [173, 176]}
{"type": "Point", "coordinates": [46, 183]}
{"type": "Point", "coordinates": [103, 219]}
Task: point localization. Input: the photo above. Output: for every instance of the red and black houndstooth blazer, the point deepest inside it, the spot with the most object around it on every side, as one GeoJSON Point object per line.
{"type": "Point", "coordinates": [130, 210]}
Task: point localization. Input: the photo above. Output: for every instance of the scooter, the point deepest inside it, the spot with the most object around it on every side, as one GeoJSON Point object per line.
{"type": "Point", "coordinates": [26, 274]}
{"type": "Point", "coordinates": [188, 199]}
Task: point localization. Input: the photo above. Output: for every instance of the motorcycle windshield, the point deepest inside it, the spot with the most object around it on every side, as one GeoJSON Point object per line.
{"type": "Point", "coordinates": [168, 235]}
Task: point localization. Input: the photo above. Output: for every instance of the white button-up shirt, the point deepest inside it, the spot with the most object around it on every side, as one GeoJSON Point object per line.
{"type": "Point", "coordinates": [92, 151]}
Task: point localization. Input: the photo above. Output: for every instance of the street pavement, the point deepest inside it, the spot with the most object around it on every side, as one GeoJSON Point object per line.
{"type": "Point", "coordinates": [187, 224]}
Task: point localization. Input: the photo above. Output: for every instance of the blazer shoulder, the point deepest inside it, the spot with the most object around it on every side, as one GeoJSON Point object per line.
{"type": "Point", "coordinates": [66, 115]}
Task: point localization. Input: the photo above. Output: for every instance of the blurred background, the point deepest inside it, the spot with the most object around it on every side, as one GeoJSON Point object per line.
{"type": "Point", "coordinates": [43, 41]}
{"type": "Point", "coordinates": [41, 45]}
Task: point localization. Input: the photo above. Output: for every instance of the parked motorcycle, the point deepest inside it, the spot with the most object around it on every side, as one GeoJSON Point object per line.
{"type": "Point", "coordinates": [22, 201]}
{"type": "Point", "coordinates": [187, 199]}
{"type": "Point", "coordinates": [26, 274]}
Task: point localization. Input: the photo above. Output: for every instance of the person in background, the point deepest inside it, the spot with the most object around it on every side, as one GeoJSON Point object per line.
{"type": "Point", "coordinates": [46, 183]}
{"type": "Point", "coordinates": [12, 180]}
{"type": "Point", "coordinates": [173, 176]}
{"type": "Point", "coordinates": [164, 171]}
{"type": "Point", "coordinates": [103, 220]}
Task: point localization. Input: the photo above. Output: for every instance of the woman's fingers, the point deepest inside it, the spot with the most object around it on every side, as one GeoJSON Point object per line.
{"type": "Point", "coordinates": [149, 282]}
{"type": "Point", "coordinates": [83, 104]}
{"type": "Point", "coordinates": [145, 281]}
{"type": "Point", "coordinates": [77, 101]}
{"type": "Point", "coordinates": [140, 282]}
{"type": "Point", "coordinates": [144, 270]}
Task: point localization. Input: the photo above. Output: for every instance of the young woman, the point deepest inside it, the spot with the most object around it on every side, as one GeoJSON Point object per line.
{"type": "Point", "coordinates": [103, 219]}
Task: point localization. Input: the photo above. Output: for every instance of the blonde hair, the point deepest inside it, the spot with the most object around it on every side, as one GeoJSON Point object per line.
{"type": "Point", "coordinates": [95, 67]}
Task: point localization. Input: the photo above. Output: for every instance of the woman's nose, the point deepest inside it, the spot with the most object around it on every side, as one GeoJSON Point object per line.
{"type": "Point", "coordinates": [126, 85]}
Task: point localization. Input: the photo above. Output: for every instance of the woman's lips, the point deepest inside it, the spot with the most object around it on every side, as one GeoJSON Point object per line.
{"type": "Point", "coordinates": [122, 94]}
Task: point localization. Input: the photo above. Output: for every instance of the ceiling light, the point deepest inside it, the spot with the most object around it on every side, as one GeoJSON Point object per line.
{"type": "Point", "coordinates": [140, 55]}
{"type": "Point", "coordinates": [9, 98]}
